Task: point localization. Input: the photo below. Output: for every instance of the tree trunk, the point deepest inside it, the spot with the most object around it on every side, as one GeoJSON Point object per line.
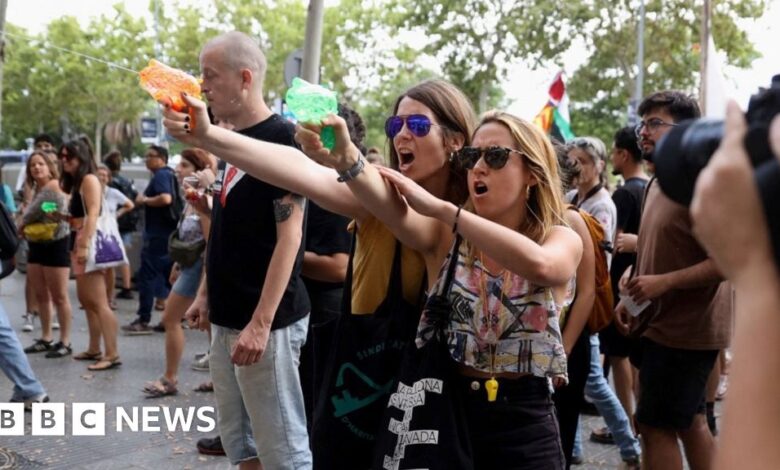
{"type": "Point", "coordinates": [98, 141]}
{"type": "Point", "coordinates": [483, 92]}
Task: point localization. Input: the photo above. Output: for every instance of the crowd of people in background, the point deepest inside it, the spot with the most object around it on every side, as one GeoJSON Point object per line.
{"type": "Point", "coordinates": [540, 275]}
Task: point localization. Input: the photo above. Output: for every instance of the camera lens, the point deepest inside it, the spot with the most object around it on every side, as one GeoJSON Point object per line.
{"type": "Point", "coordinates": [681, 155]}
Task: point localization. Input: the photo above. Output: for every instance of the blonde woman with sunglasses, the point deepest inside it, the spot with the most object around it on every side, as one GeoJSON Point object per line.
{"type": "Point", "coordinates": [513, 277]}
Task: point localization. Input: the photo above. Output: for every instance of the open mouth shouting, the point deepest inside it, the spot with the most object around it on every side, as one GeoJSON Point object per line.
{"type": "Point", "coordinates": [405, 160]}
{"type": "Point", "coordinates": [480, 188]}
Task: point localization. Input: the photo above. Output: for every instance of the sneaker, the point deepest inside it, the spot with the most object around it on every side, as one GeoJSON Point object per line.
{"type": "Point", "coordinates": [577, 460]}
{"type": "Point", "coordinates": [137, 327]}
{"type": "Point", "coordinates": [28, 402]}
{"type": "Point", "coordinates": [29, 322]}
{"type": "Point", "coordinates": [38, 346]}
{"type": "Point", "coordinates": [211, 446]}
{"type": "Point", "coordinates": [200, 355]}
{"type": "Point", "coordinates": [126, 294]}
{"type": "Point", "coordinates": [59, 350]}
{"type": "Point", "coordinates": [55, 325]}
{"type": "Point", "coordinates": [159, 328]}
{"type": "Point", "coordinates": [602, 436]}
{"type": "Point", "coordinates": [201, 364]}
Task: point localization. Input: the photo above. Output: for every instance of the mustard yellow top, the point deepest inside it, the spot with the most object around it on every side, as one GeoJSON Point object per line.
{"type": "Point", "coordinates": [373, 262]}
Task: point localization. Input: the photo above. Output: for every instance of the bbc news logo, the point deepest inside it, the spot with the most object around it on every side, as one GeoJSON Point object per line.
{"type": "Point", "coordinates": [89, 419]}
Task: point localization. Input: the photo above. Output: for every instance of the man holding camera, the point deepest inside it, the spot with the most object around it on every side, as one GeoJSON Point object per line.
{"type": "Point", "coordinates": [681, 330]}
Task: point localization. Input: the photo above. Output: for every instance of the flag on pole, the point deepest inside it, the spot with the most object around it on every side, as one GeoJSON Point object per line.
{"type": "Point", "coordinates": [554, 117]}
{"type": "Point", "coordinates": [717, 90]}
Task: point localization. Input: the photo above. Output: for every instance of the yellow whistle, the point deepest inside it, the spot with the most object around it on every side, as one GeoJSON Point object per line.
{"type": "Point", "coordinates": [491, 387]}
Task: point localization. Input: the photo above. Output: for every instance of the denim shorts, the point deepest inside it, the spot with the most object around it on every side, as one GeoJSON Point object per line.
{"type": "Point", "coordinates": [187, 283]}
{"type": "Point", "coordinates": [260, 407]}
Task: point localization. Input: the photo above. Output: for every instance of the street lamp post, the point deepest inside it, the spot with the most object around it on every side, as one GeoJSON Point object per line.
{"type": "Point", "coordinates": [313, 42]}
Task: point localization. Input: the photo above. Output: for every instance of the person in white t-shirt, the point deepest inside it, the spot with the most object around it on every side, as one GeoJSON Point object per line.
{"type": "Point", "coordinates": [117, 204]}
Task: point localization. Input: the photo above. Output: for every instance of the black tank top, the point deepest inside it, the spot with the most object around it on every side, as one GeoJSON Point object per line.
{"type": "Point", "coordinates": [76, 208]}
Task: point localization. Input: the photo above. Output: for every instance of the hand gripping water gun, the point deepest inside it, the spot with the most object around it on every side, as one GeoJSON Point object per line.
{"type": "Point", "coordinates": [162, 81]}
{"type": "Point", "coordinates": [312, 103]}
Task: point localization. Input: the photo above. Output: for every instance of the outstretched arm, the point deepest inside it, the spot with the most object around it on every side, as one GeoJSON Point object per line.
{"type": "Point", "coordinates": [550, 264]}
{"type": "Point", "coordinates": [279, 165]}
{"type": "Point", "coordinates": [376, 194]}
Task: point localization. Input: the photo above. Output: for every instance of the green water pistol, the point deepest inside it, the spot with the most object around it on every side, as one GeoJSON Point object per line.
{"type": "Point", "coordinates": [48, 207]}
{"type": "Point", "coordinates": [312, 103]}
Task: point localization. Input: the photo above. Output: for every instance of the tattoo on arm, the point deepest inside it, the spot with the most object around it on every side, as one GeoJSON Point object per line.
{"type": "Point", "coordinates": [282, 210]}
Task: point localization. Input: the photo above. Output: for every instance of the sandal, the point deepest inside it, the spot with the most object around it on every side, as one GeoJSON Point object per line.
{"type": "Point", "coordinates": [105, 364]}
{"type": "Point", "coordinates": [88, 356]}
{"type": "Point", "coordinates": [205, 387]}
{"type": "Point", "coordinates": [161, 388]}
{"type": "Point", "coordinates": [159, 305]}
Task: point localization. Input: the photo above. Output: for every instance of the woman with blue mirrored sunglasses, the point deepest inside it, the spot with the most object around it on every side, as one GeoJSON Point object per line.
{"type": "Point", "coordinates": [378, 212]}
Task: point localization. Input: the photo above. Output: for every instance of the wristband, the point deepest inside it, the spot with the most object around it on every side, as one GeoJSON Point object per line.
{"type": "Point", "coordinates": [352, 173]}
{"type": "Point", "coordinates": [457, 216]}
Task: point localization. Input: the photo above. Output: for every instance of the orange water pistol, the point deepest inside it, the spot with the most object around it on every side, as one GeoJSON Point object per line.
{"type": "Point", "coordinates": [166, 83]}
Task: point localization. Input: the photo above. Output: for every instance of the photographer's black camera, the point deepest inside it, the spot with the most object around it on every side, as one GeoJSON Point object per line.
{"type": "Point", "coordinates": [684, 151]}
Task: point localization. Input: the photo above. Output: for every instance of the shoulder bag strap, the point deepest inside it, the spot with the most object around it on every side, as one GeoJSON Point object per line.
{"type": "Point", "coordinates": [590, 194]}
{"type": "Point", "coordinates": [446, 287]}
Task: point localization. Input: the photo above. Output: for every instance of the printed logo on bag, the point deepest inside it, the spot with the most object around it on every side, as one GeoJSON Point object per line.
{"type": "Point", "coordinates": [356, 389]}
{"type": "Point", "coordinates": [345, 403]}
{"type": "Point", "coordinates": [107, 248]}
{"type": "Point", "coordinates": [406, 399]}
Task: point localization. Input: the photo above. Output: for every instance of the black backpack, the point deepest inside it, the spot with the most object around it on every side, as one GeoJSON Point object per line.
{"type": "Point", "coordinates": [9, 237]}
{"type": "Point", "coordinates": [129, 221]}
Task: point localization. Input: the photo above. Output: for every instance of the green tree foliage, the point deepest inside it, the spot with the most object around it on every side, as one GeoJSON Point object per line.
{"type": "Point", "coordinates": [58, 88]}
{"type": "Point", "coordinates": [600, 89]}
{"type": "Point", "coordinates": [476, 40]}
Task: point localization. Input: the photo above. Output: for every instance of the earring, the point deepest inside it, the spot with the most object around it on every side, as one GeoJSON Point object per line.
{"type": "Point", "coordinates": [527, 193]}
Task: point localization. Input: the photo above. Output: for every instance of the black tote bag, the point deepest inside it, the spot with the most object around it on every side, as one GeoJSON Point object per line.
{"type": "Point", "coordinates": [424, 425]}
{"type": "Point", "coordinates": [361, 371]}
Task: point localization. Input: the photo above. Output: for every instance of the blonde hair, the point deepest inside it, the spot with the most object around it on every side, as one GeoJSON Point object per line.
{"type": "Point", "coordinates": [53, 166]}
{"type": "Point", "coordinates": [545, 203]}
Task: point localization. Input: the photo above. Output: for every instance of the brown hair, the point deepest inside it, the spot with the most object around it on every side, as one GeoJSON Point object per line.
{"type": "Point", "coordinates": [54, 169]}
{"type": "Point", "coordinates": [199, 158]}
{"type": "Point", "coordinates": [679, 105]}
{"type": "Point", "coordinates": [79, 150]}
{"type": "Point", "coordinates": [455, 114]}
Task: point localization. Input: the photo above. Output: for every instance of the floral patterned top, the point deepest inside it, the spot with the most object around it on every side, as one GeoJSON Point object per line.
{"type": "Point", "coordinates": [499, 323]}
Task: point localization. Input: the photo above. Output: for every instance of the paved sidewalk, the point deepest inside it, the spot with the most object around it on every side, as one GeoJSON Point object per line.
{"type": "Point", "coordinates": [69, 381]}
